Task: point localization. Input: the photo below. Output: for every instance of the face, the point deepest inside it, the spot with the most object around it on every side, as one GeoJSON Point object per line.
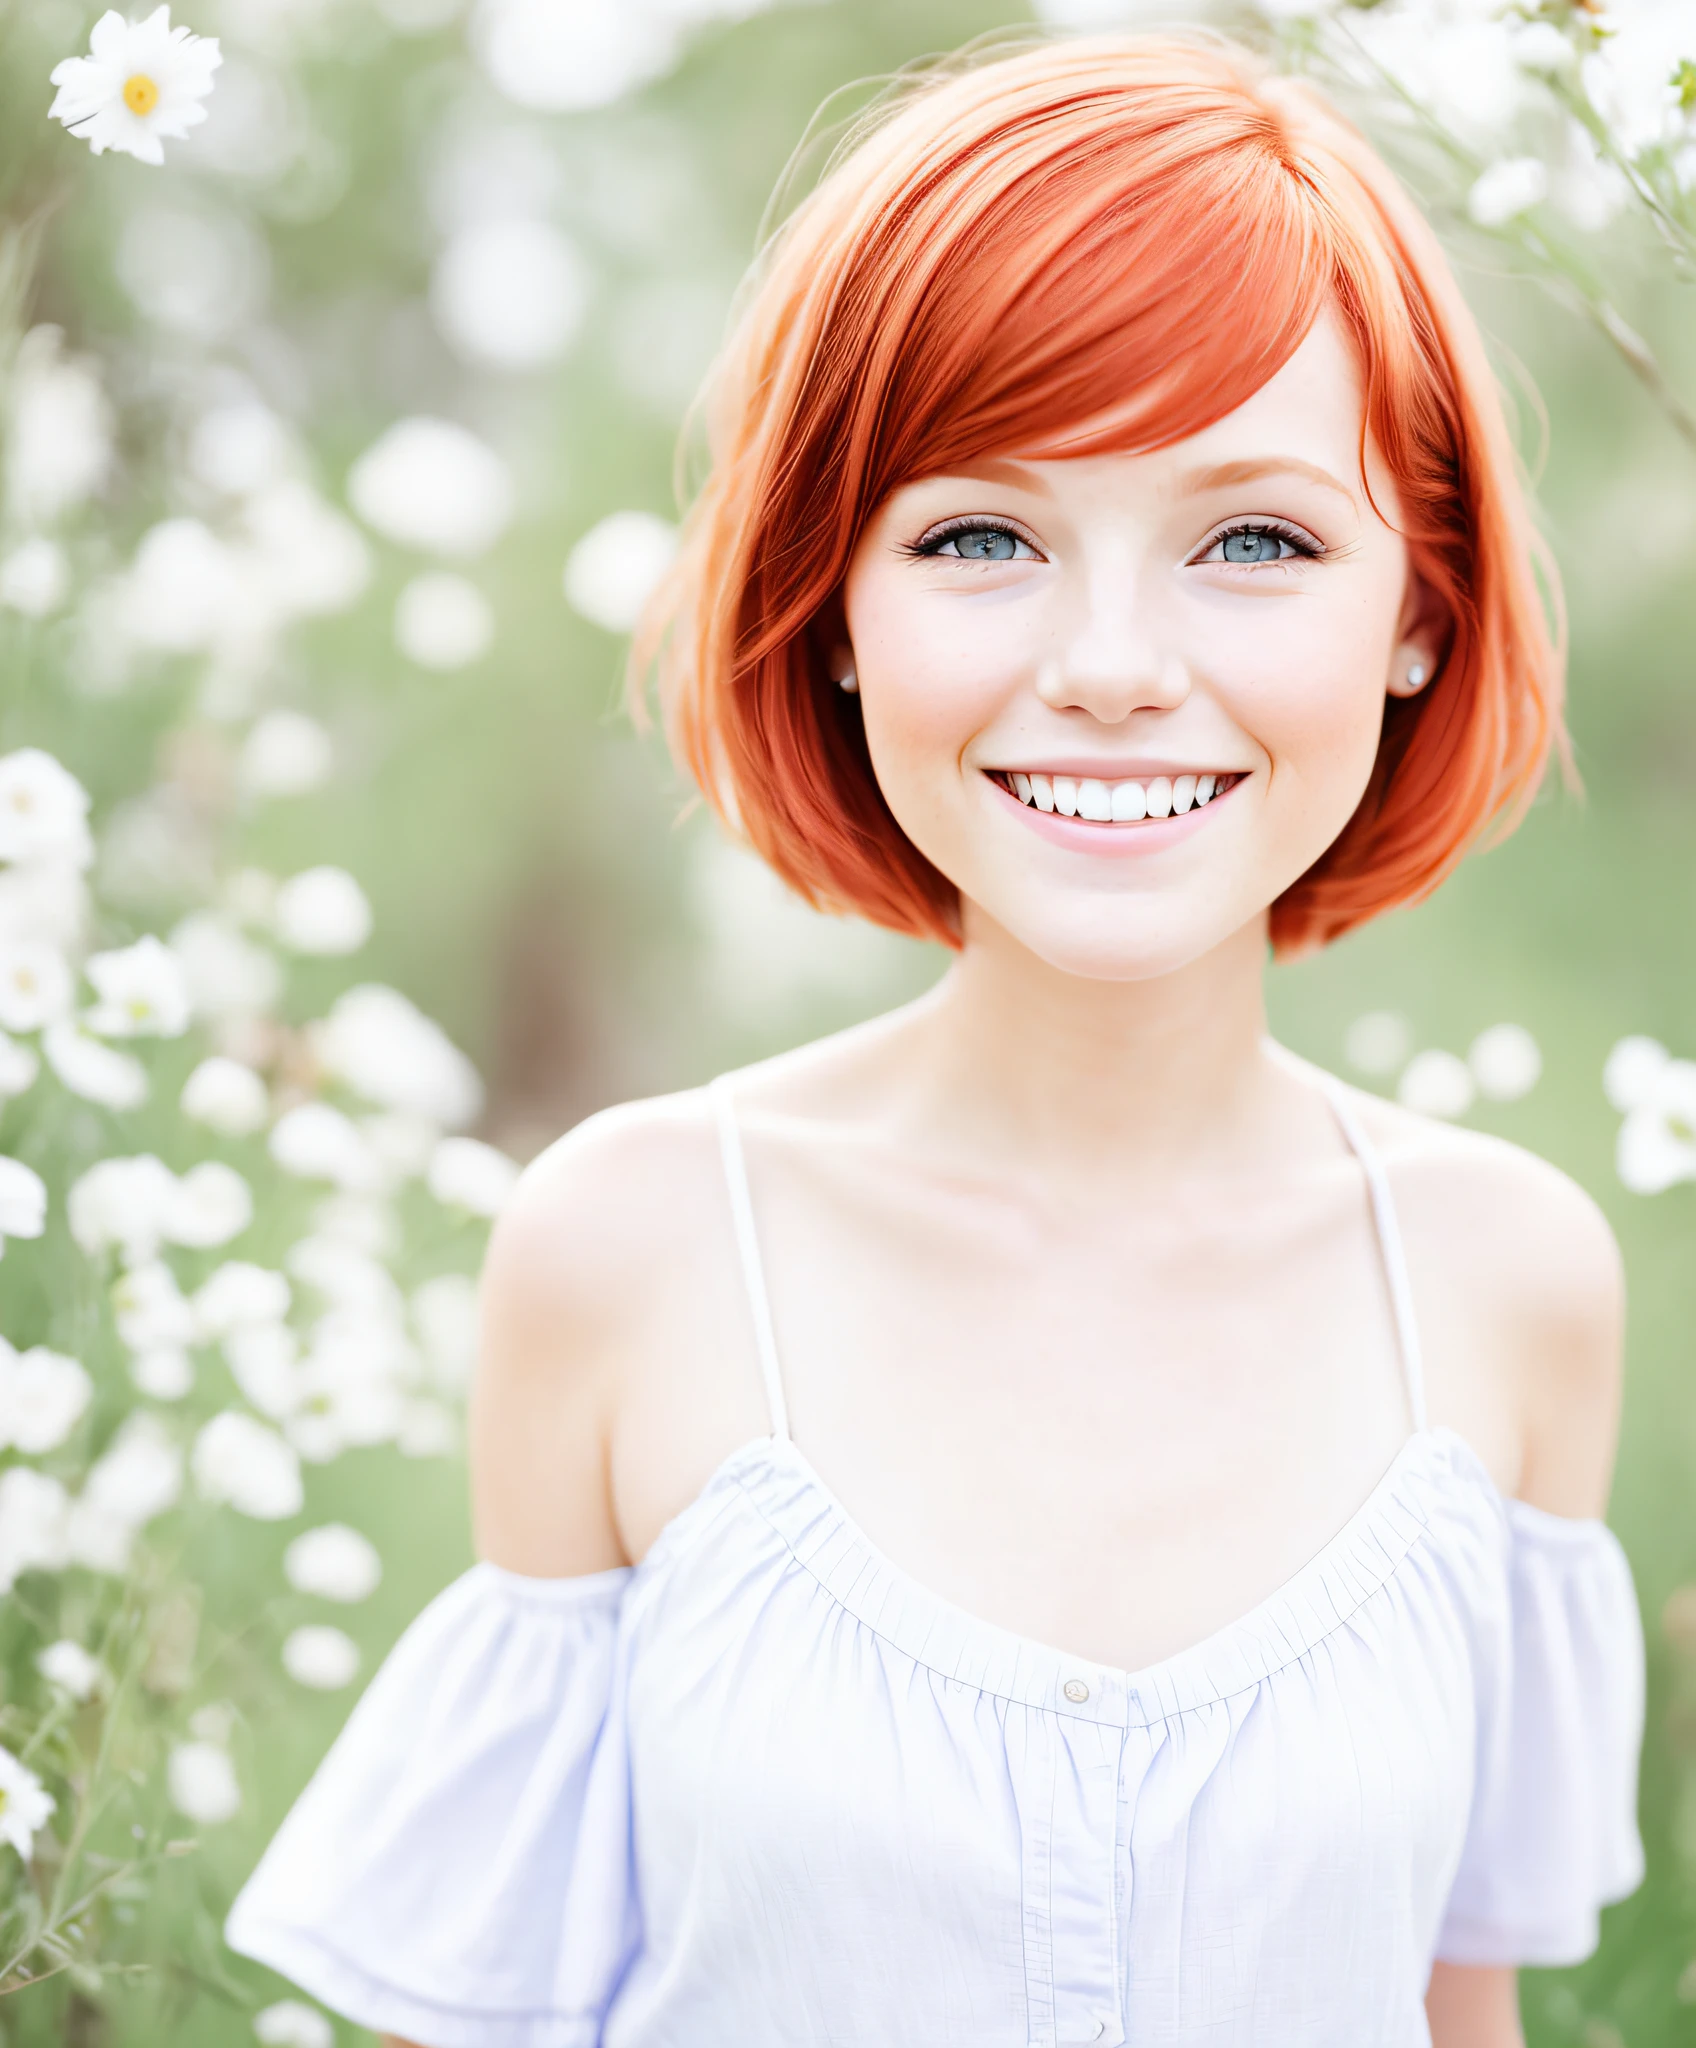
{"type": "Point", "coordinates": [1124, 701]}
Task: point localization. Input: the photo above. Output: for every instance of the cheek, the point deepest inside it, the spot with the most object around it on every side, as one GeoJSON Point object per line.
{"type": "Point", "coordinates": [932, 675]}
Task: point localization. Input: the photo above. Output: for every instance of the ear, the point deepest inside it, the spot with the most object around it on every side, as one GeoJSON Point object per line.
{"type": "Point", "coordinates": [1422, 638]}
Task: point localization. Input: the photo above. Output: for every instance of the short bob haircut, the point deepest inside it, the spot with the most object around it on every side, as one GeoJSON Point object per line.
{"type": "Point", "coordinates": [1101, 244]}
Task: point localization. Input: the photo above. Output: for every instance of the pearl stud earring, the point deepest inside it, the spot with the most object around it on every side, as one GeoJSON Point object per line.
{"type": "Point", "coordinates": [1415, 674]}
{"type": "Point", "coordinates": [849, 680]}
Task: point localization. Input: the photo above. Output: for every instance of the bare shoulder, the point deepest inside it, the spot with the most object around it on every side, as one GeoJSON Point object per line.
{"type": "Point", "coordinates": [610, 1251]}
{"type": "Point", "coordinates": [1520, 1293]}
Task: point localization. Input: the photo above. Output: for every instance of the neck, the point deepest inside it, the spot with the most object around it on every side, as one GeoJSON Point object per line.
{"type": "Point", "coordinates": [1068, 1068]}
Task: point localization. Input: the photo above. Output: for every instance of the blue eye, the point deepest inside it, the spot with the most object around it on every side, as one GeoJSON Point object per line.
{"type": "Point", "coordinates": [976, 541]}
{"type": "Point", "coordinates": [1245, 546]}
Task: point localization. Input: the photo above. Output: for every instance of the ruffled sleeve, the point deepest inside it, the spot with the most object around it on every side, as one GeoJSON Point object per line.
{"type": "Point", "coordinates": [458, 1870]}
{"type": "Point", "coordinates": [1553, 1834]}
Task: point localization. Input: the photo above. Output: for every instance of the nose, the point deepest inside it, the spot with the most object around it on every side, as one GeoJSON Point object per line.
{"type": "Point", "coordinates": [1114, 661]}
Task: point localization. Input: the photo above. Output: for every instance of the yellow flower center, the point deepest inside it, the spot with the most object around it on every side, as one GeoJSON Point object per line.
{"type": "Point", "coordinates": [141, 95]}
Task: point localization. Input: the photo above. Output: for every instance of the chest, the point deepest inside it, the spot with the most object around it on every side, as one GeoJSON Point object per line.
{"type": "Point", "coordinates": [943, 1833]}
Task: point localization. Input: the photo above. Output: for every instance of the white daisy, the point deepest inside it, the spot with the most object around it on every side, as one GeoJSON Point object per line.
{"type": "Point", "coordinates": [24, 1805]}
{"type": "Point", "coordinates": [140, 82]}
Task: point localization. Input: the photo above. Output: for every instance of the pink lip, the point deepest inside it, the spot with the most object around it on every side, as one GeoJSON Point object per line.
{"type": "Point", "coordinates": [1082, 835]}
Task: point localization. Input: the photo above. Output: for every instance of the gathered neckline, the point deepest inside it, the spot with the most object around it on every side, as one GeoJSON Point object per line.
{"type": "Point", "coordinates": [778, 1480]}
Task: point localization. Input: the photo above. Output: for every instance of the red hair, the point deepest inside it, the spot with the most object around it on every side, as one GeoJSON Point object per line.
{"type": "Point", "coordinates": [1104, 244]}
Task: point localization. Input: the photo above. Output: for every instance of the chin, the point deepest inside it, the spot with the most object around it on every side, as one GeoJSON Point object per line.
{"type": "Point", "coordinates": [1120, 940]}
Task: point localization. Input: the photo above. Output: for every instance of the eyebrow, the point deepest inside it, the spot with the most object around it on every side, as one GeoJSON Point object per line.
{"type": "Point", "coordinates": [1222, 475]}
{"type": "Point", "coordinates": [995, 469]}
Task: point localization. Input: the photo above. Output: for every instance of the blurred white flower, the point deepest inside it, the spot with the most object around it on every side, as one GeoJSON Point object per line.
{"type": "Point", "coordinates": [197, 270]}
{"type": "Point", "coordinates": [1454, 57]}
{"type": "Point", "coordinates": [241, 1462]}
{"type": "Point", "coordinates": [509, 293]}
{"type": "Point", "coordinates": [304, 559]}
{"type": "Point", "coordinates": [202, 1782]}
{"type": "Point", "coordinates": [403, 1142]}
{"type": "Point", "coordinates": [1508, 189]}
{"type": "Point", "coordinates": [182, 588]}
{"type": "Point", "coordinates": [285, 754]}
{"type": "Point", "coordinates": [384, 1048]}
{"type": "Point", "coordinates": [427, 1430]}
{"type": "Point", "coordinates": [1541, 47]}
{"type": "Point", "coordinates": [1633, 1071]}
{"type": "Point", "coordinates": [227, 973]}
{"type": "Point", "coordinates": [35, 579]}
{"type": "Point", "coordinates": [346, 1274]}
{"type": "Point", "coordinates": [42, 1398]}
{"type": "Point", "coordinates": [321, 1657]}
{"type": "Point", "coordinates": [1378, 1042]}
{"type": "Point", "coordinates": [23, 1201]}
{"type": "Point", "coordinates": [1436, 1084]}
{"type": "Point", "coordinates": [318, 1142]}
{"type": "Point", "coordinates": [1633, 74]}
{"type": "Point", "coordinates": [34, 1511]}
{"type": "Point", "coordinates": [1505, 1062]}
{"type": "Point", "coordinates": [69, 1666]}
{"type": "Point", "coordinates": [442, 621]}
{"type": "Point", "coordinates": [95, 1071]}
{"type": "Point", "coordinates": [25, 1805]}
{"type": "Point", "coordinates": [150, 1308]}
{"type": "Point", "coordinates": [226, 1096]}
{"type": "Point", "coordinates": [612, 570]}
{"type": "Point", "coordinates": [44, 902]}
{"type": "Point", "coordinates": [334, 1562]}
{"type": "Point", "coordinates": [138, 1476]}
{"type": "Point", "coordinates": [43, 811]}
{"type": "Point", "coordinates": [444, 1313]}
{"type": "Point", "coordinates": [1657, 1141]}
{"type": "Point", "coordinates": [562, 55]}
{"type": "Point", "coordinates": [18, 1067]}
{"type": "Point", "coordinates": [141, 82]}
{"type": "Point", "coordinates": [239, 1293]}
{"type": "Point", "coordinates": [322, 910]}
{"type": "Point", "coordinates": [239, 447]}
{"type": "Point", "coordinates": [163, 1373]}
{"type": "Point", "coordinates": [261, 1358]}
{"type": "Point", "coordinates": [468, 1174]}
{"type": "Point", "coordinates": [122, 1204]}
{"type": "Point", "coordinates": [289, 2024]}
{"type": "Point", "coordinates": [432, 485]}
{"type": "Point", "coordinates": [142, 991]}
{"type": "Point", "coordinates": [364, 1223]}
{"type": "Point", "coordinates": [210, 1204]}
{"type": "Point", "coordinates": [59, 431]}
{"type": "Point", "coordinates": [35, 984]}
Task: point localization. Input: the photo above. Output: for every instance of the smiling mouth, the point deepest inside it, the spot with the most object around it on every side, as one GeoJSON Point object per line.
{"type": "Point", "coordinates": [1113, 803]}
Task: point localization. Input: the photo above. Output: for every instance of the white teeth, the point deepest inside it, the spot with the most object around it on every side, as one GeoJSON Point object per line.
{"type": "Point", "coordinates": [1118, 803]}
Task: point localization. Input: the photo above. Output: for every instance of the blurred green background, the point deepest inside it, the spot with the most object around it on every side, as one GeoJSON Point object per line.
{"type": "Point", "coordinates": [539, 883]}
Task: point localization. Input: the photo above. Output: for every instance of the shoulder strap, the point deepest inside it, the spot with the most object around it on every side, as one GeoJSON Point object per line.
{"type": "Point", "coordinates": [748, 1245]}
{"type": "Point", "coordinates": [1389, 1245]}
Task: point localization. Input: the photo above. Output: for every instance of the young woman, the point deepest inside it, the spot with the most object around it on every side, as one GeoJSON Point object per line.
{"type": "Point", "coordinates": [1043, 1518]}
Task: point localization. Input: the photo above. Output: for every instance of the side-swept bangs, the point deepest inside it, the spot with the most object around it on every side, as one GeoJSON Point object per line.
{"type": "Point", "coordinates": [1095, 245]}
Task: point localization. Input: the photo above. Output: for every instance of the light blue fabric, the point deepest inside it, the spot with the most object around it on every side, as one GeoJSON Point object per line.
{"type": "Point", "coordinates": [765, 1789]}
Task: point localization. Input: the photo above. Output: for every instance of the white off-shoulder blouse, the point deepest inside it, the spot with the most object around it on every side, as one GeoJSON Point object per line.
{"type": "Point", "coordinates": [765, 1789]}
